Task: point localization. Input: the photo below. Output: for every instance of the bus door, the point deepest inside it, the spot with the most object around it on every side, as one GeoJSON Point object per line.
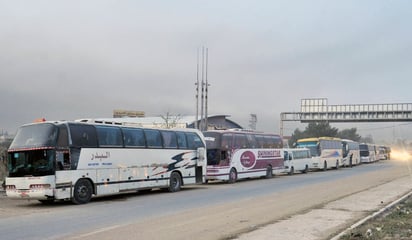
{"type": "Point", "coordinates": [287, 156]}
{"type": "Point", "coordinates": [201, 165]}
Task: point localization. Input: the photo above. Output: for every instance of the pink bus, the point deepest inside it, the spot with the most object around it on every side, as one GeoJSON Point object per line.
{"type": "Point", "coordinates": [238, 154]}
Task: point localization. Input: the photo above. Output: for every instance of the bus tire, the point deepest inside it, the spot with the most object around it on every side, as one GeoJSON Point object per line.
{"type": "Point", "coordinates": [269, 172]}
{"type": "Point", "coordinates": [82, 192]}
{"type": "Point", "coordinates": [232, 175]}
{"type": "Point", "coordinates": [175, 182]}
{"type": "Point", "coordinates": [306, 169]}
{"type": "Point", "coordinates": [292, 171]}
{"type": "Point", "coordinates": [325, 166]}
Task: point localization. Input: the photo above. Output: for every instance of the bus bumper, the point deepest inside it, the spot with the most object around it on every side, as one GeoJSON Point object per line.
{"type": "Point", "coordinates": [40, 188]}
{"type": "Point", "coordinates": [30, 194]}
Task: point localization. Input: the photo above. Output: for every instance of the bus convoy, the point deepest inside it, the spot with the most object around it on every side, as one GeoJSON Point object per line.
{"type": "Point", "coordinates": [75, 160]}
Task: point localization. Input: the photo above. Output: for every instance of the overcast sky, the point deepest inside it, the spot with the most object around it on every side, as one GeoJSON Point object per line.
{"type": "Point", "coordinates": [77, 59]}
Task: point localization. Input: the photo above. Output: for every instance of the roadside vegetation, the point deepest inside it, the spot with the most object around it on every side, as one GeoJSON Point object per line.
{"type": "Point", "coordinates": [394, 224]}
{"type": "Point", "coordinates": [323, 129]}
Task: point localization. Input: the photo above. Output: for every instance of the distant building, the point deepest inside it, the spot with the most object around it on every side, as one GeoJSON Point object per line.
{"type": "Point", "coordinates": [118, 113]}
{"type": "Point", "coordinates": [214, 122]}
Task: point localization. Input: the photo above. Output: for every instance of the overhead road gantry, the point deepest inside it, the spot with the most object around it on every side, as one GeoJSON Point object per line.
{"type": "Point", "coordinates": [317, 109]}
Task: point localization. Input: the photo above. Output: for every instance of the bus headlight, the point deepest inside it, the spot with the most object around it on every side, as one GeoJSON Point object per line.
{"type": "Point", "coordinates": [10, 187]}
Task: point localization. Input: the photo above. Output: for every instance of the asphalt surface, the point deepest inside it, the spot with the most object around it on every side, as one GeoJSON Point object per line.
{"type": "Point", "coordinates": [322, 208]}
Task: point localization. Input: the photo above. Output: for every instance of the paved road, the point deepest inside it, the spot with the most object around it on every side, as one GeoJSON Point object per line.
{"type": "Point", "coordinates": [212, 211]}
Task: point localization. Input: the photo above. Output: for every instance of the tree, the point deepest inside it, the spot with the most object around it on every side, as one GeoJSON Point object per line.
{"type": "Point", "coordinates": [349, 134]}
{"type": "Point", "coordinates": [367, 139]}
{"type": "Point", "coordinates": [323, 129]}
{"type": "Point", "coordinates": [170, 121]}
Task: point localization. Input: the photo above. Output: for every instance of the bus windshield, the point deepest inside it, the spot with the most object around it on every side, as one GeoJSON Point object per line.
{"type": "Point", "coordinates": [35, 136]}
{"type": "Point", "coordinates": [31, 163]}
{"type": "Point", "coordinates": [363, 147]}
{"type": "Point", "coordinates": [31, 152]}
{"type": "Point", "coordinates": [312, 146]}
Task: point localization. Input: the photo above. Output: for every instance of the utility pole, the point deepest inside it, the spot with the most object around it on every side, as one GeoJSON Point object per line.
{"type": "Point", "coordinates": [197, 92]}
{"type": "Point", "coordinates": [202, 99]}
{"type": "Point", "coordinates": [203, 82]}
{"type": "Point", "coordinates": [207, 85]}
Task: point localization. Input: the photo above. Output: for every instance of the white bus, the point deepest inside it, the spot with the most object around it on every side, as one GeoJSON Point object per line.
{"type": "Point", "coordinates": [351, 153]}
{"type": "Point", "coordinates": [367, 153]}
{"type": "Point", "coordinates": [237, 154]}
{"type": "Point", "coordinates": [297, 160]}
{"type": "Point", "coordinates": [383, 153]}
{"type": "Point", "coordinates": [75, 161]}
{"type": "Point", "coordinates": [326, 151]}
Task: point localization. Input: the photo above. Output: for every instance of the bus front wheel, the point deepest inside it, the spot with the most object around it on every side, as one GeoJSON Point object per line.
{"type": "Point", "coordinates": [325, 166]}
{"type": "Point", "coordinates": [83, 191]}
{"type": "Point", "coordinates": [175, 182]}
{"type": "Point", "coordinates": [232, 175]}
{"type": "Point", "coordinates": [269, 172]}
{"type": "Point", "coordinates": [291, 171]}
{"type": "Point", "coordinates": [306, 169]}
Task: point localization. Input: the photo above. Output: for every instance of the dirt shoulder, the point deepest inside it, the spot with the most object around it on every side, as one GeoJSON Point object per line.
{"type": "Point", "coordinates": [328, 220]}
{"type": "Point", "coordinates": [233, 219]}
{"type": "Point", "coordinates": [394, 223]}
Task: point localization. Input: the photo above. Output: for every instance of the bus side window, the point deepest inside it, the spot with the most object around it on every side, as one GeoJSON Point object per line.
{"type": "Point", "coordinates": [240, 141]}
{"type": "Point", "coordinates": [226, 141]}
{"type": "Point", "coordinates": [194, 141]}
{"type": "Point", "coordinates": [169, 139]}
{"type": "Point", "coordinates": [252, 141]}
{"type": "Point", "coordinates": [109, 136]}
{"type": "Point", "coordinates": [83, 135]}
{"type": "Point", "coordinates": [260, 140]}
{"type": "Point", "coordinates": [153, 138]}
{"type": "Point", "coordinates": [181, 140]}
{"type": "Point", "coordinates": [134, 137]}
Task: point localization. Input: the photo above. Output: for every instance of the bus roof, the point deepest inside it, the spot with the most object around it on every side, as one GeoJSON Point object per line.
{"type": "Point", "coordinates": [296, 149]}
{"type": "Point", "coordinates": [237, 130]}
{"type": "Point", "coordinates": [110, 124]}
{"type": "Point", "coordinates": [317, 139]}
